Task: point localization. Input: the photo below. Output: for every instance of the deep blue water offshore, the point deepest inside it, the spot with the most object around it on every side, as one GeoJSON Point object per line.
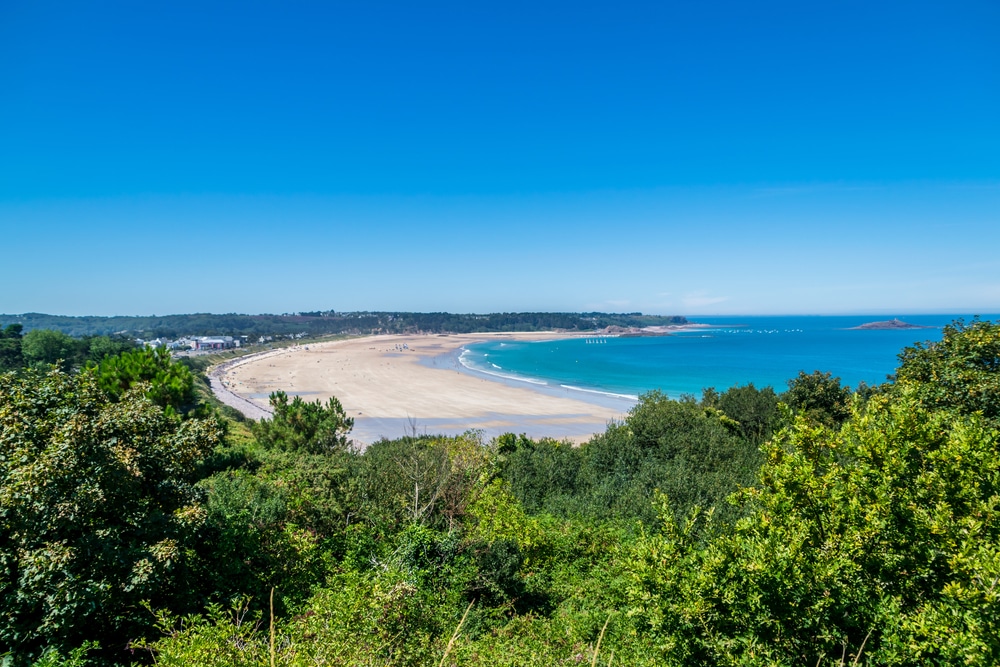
{"type": "Point", "coordinates": [734, 351]}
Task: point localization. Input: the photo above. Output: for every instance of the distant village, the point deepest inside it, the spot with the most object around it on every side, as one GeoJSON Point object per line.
{"type": "Point", "coordinates": [213, 343]}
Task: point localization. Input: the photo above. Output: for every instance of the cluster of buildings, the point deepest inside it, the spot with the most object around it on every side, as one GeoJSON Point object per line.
{"type": "Point", "coordinates": [197, 342]}
{"type": "Point", "coordinates": [206, 343]}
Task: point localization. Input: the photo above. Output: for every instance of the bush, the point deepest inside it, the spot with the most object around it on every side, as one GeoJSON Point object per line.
{"type": "Point", "coordinates": [692, 453]}
{"type": "Point", "coordinates": [167, 384]}
{"type": "Point", "coordinates": [98, 510]}
{"type": "Point", "coordinates": [300, 426]}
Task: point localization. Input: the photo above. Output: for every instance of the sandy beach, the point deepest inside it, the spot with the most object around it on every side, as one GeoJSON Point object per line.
{"type": "Point", "coordinates": [396, 385]}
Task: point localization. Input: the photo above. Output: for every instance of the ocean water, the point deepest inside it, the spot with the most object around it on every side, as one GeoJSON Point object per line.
{"type": "Point", "coordinates": [766, 351]}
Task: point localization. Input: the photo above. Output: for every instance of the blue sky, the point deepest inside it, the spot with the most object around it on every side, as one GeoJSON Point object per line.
{"type": "Point", "coordinates": [692, 158]}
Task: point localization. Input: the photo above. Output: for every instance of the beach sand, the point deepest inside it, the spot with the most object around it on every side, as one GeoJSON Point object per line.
{"type": "Point", "coordinates": [400, 385]}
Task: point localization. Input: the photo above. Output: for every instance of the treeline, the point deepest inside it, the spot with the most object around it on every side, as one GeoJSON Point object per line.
{"type": "Point", "coordinates": [816, 526]}
{"type": "Point", "coordinates": [47, 346]}
{"type": "Point", "coordinates": [328, 322]}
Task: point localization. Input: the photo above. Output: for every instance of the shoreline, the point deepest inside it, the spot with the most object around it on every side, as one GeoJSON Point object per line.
{"type": "Point", "coordinates": [216, 380]}
{"type": "Point", "coordinates": [595, 396]}
{"type": "Point", "coordinates": [396, 385]}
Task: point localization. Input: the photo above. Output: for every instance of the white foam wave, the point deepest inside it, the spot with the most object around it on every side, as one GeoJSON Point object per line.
{"type": "Point", "coordinates": [602, 393]}
{"type": "Point", "coordinates": [506, 376]}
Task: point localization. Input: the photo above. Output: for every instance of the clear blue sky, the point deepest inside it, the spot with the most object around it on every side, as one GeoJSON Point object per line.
{"type": "Point", "coordinates": [692, 158]}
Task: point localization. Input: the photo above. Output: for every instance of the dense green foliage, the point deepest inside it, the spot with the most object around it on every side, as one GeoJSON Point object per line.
{"type": "Point", "coordinates": [11, 356]}
{"type": "Point", "coordinates": [300, 426]}
{"type": "Point", "coordinates": [167, 384]}
{"type": "Point", "coordinates": [43, 347]}
{"type": "Point", "coordinates": [695, 453]}
{"type": "Point", "coordinates": [97, 508]}
{"type": "Point", "coordinates": [755, 411]}
{"type": "Point", "coordinates": [330, 322]}
{"type": "Point", "coordinates": [819, 398]}
{"type": "Point", "coordinates": [881, 538]}
{"type": "Point", "coordinates": [960, 373]}
{"type": "Point", "coordinates": [814, 527]}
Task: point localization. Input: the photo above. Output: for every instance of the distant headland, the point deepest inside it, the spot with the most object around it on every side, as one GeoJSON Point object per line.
{"type": "Point", "coordinates": [894, 323]}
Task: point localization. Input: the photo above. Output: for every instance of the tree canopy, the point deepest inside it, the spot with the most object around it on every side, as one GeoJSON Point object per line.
{"type": "Point", "coordinates": [309, 427]}
{"type": "Point", "coordinates": [819, 397]}
{"type": "Point", "coordinates": [42, 347]}
{"type": "Point", "coordinates": [168, 384]}
{"type": "Point", "coordinates": [97, 508]}
{"type": "Point", "coordinates": [960, 372]}
{"type": "Point", "coordinates": [11, 356]}
{"type": "Point", "coordinates": [45, 346]}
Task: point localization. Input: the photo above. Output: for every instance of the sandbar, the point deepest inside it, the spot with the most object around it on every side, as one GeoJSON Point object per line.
{"type": "Point", "coordinates": [396, 385]}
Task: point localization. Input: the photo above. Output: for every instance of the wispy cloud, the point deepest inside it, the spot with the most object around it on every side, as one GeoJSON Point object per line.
{"type": "Point", "coordinates": [701, 299]}
{"type": "Point", "coordinates": [610, 304]}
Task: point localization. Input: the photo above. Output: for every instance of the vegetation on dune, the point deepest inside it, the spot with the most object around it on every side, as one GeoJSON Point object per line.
{"type": "Point", "coordinates": [816, 526]}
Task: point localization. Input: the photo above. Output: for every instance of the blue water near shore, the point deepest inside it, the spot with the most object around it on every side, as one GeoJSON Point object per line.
{"type": "Point", "coordinates": [766, 351]}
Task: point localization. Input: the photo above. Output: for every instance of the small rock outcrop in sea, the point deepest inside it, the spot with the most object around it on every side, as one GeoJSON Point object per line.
{"type": "Point", "coordinates": [632, 332]}
{"type": "Point", "coordinates": [894, 323]}
{"type": "Point", "coordinates": [614, 329]}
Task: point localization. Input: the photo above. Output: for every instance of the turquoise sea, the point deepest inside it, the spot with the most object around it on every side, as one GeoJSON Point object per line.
{"type": "Point", "coordinates": [732, 351]}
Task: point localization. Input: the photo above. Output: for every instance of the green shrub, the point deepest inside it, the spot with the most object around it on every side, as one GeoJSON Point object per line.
{"type": "Point", "coordinates": [300, 426]}
{"type": "Point", "coordinates": [98, 510]}
{"type": "Point", "coordinates": [168, 384]}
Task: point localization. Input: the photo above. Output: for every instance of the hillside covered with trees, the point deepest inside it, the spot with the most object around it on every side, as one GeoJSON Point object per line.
{"type": "Point", "coordinates": [328, 322]}
{"type": "Point", "coordinates": [48, 346]}
{"type": "Point", "coordinates": [140, 524]}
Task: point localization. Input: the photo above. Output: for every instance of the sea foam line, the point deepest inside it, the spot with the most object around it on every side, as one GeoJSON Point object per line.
{"type": "Point", "coordinates": [462, 360]}
{"type": "Point", "coordinates": [602, 393]}
{"type": "Point", "coordinates": [506, 376]}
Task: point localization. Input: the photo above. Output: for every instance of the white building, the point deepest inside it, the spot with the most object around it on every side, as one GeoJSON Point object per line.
{"type": "Point", "coordinates": [215, 342]}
